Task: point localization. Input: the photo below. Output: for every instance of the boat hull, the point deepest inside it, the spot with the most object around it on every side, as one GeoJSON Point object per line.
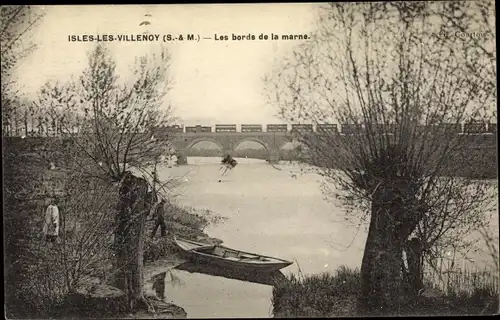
{"type": "Point", "coordinates": [195, 256]}
{"type": "Point", "coordinates": [246, 266]}
{"type": "Point", "coordinates": [266, 278]}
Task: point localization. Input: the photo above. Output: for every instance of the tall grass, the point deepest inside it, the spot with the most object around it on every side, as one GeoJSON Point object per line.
{"type": "Point", "coordinates": [182, 221]}
{"type": "Point", "coordinates": [79, 259]}
{"type": "Point", "coordinates": [331, 295]}
{"type": "Point", "coordinates": [472, 289]}
{"type": "Point", "coordinates": [465, 280]}
{"type": "Point", "coordinates": [317, 295]}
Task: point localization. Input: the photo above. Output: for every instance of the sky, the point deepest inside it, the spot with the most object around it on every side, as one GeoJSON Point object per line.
{"type": "Point", "coordinates": [214, 81]}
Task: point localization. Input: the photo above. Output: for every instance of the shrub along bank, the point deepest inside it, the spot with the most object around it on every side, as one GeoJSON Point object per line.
{"type": "Point", "coordinates": [181, 221]}
{"type": "Point", "coordinates": [336, 295]}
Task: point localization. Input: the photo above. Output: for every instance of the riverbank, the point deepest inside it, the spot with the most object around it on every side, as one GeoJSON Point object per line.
{"type": "Point", "coordinates": [336, 295]}
{"type": "Point", "coordinates": [73, 277]}
{"type": "Point", "coordinates": [182, 221]}
{"type": "Point", "coordinates": [274, 212]}
{"type": "Point", "coordinates": [161, 254]}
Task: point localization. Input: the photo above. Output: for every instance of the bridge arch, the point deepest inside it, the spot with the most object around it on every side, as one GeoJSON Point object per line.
{"type": "Point", "coordinates": [251, 139]}
{"type": "Point", "coordinates": [289, 144]}
{"type": "Point", "coordinates": [204, 139]}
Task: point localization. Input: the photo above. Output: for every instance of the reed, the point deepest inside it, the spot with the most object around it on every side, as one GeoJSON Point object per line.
{"type": "Point", "coordinates": [466, 279]}
{"type": "Point", "coordinates": [316, 295]}
{"type": "Point", "coordinates": [465, 291]}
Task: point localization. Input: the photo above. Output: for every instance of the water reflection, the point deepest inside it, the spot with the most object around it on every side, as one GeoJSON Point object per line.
{"type": "Point", "coordinates": [159, 285]}
{"type": "Point", "coordinates": [254, 277]}
{"type": "Point", "coordinates": [161, 279]}
{"type": "Point", "coordinates": [205, 291]}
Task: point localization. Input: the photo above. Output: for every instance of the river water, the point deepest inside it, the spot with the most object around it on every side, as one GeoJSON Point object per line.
{"type": "Point", "coordinates": [276, 211]}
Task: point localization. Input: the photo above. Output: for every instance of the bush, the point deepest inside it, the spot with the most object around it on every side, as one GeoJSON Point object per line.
{"type": "Point", "coordinates": [158, 248]}
{"type": "Point", "coordinates": [335, 295]}
{"type": "Point", "coordinates": [192, 218]}
{"type": "Point", "coordinates": [23, 186]}
{"type": "Point", "coordinates": [183, 221]}
{"type": "Point", "coordinates": [41, 275]}
{"type": "Point", "coordinates": [317, 295]}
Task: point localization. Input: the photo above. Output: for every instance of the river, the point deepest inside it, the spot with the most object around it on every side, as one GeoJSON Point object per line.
{"type": "Point", "coordinates": [276, 211]}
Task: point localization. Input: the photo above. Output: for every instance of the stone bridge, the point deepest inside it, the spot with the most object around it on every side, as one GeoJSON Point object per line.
{"type": "Point", "coordinates": [228, 142]}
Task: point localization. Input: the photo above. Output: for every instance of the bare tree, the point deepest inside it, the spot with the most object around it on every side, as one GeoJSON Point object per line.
{"type": "Point", "coordinates": [117, 128]}
{"type": "Point", "coordinates": [385, 72]}
{"type": "Point", "coordinates": [17, 21]}
{"type": "Point", "coordinates": [471, 26]}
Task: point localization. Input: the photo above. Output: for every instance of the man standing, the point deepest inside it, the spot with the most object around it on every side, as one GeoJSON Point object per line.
{"type": "Point", "coordinates": [150, 200]}
{"type": "Point", "coordinates": [159, 216]}
{"type": "Point", "coordinates": [51, 225]}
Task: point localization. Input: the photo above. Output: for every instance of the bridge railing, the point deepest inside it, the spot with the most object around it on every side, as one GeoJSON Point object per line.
{"type": "Point", "coordinates": [198, 129]}
{"type": "Point", "coordinates": [251, 128]}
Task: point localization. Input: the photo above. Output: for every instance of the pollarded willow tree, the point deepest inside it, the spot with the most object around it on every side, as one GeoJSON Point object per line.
{"type": "Point", "coordinates": [112, 127]}
{"type": "Point", "coordinates": [404, 88]}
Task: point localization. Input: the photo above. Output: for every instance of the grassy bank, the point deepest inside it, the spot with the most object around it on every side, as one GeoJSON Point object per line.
{"type": "Point", "coordinates": [182, 221]}
{"type": "Point", "coordinates": [336, 295]}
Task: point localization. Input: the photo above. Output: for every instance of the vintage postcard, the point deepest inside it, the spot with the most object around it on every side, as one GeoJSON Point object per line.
{"type": "Point", "coordinates": [250, 160]}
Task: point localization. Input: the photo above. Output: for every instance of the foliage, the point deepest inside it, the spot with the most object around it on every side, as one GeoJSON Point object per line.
{"type": "Point", "coordinates": [196, 219]}
{"type": "Point", "coordinates": [317, 295]}
{"type": "Point", "coordinates": [16, 24]}
{"type": "Point", "coordinates": [334, 295]}
{"type": "Point", "coordinates": [183, 221]}
{"type": "Point", "coordinates": [158, 248]}
{"type": "Point", "coordinates": [88, 225]}
{"type": "Point", "coordinates": [42, 274]}
{"type": "Point", "coordinates": [22, 178]}
{"type": "Point", "coordinates": [112, 122]}
{"type": "Point", "coordinates": [357, 89]}
{"type": "Point", "coordinates": [42, 278]}
{"type": "Point", "coordinates": [114, 131]}
{"type": "Point", "coordinates": [115, 126]}
{"type": "Point", "coordinates": [385, 71]}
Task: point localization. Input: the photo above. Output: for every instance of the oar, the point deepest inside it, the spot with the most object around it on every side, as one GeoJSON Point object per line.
{"type": "Point", "coordinates": [208, 246]}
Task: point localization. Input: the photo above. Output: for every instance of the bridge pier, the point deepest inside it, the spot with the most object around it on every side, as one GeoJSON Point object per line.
{"type": "Point", "coordinates": [227, 151]}
{"type": "Point", "coordinates": [274, 156]}
{"type": "Point", "coordinates": [181, 157]}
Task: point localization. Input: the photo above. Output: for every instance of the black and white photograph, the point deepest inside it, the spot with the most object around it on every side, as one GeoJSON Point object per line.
{"type": "Point", "coordinates": [265, 160]}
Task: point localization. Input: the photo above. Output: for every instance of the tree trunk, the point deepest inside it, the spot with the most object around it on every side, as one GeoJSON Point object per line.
{"type": "Point", "coordinates": [129, 240]}
{"type": "Point", "coordinates": [415, 265]}
{"type": "Point", "coordinates": [382, 259]}
{"type": "Point", "coordinates": [26, 123]}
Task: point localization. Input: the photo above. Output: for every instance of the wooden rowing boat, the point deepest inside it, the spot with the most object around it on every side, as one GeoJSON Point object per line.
{"type": "Point", "coordinates": [229, 258]}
